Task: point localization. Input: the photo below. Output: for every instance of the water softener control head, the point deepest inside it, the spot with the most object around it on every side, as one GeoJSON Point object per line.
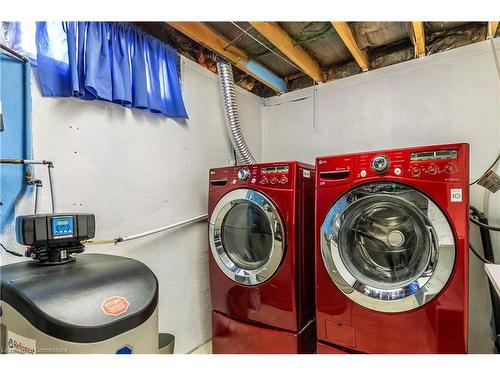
{"type": "Point", "coordinates": [50, 238]}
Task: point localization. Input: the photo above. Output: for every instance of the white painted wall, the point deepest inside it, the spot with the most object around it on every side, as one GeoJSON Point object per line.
{"type": "Point", "coordinates": [449, 97]}
{"type": "Point", "coordinates": [137, 171]}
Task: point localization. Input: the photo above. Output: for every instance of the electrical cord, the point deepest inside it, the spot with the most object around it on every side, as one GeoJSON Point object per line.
{"type": "Point", "coordinates": [489, 227]}
{"type": "Point", "coordinates": [11, 252]}
{"type": "Point", "coordinates": [480, 257]}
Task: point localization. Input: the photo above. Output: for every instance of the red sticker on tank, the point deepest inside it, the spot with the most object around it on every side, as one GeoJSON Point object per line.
{"type": "Point", "coordinates": [114, 305]}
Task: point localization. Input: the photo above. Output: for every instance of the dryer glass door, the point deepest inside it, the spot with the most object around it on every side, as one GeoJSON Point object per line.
{"type": "Point", "coordinates": [387, 247]}
{"type": "Point", "coordinates": [246, 236]}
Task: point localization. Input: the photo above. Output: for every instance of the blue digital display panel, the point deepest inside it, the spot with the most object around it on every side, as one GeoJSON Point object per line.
{"type": "Point", "coordinates": [62, 226]}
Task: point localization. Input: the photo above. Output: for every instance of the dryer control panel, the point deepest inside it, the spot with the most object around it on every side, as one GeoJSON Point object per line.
{"type": "Point", "coordinates": [272, 175]}
{"type": "Point", "coordinates": [444, 163]}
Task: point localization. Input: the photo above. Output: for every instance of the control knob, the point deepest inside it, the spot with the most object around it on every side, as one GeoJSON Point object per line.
{"type": "Point", "coordinates": [415, 171]}
{"type": "Point", "coordinates": [450, 168]}
{"type": "Point", "coordinates": [432, 169]}
{"type": "Point", "coordinates": [243, 174]}
{"type": "Point", "coordinates": [380, 164]}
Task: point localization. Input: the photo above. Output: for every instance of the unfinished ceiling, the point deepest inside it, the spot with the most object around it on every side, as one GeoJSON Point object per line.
{"type": "Point", "coordinates": [275, 57]}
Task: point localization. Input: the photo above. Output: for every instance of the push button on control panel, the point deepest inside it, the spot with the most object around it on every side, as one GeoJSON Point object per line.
{"type": "Point", "coordinates": [283, 180]}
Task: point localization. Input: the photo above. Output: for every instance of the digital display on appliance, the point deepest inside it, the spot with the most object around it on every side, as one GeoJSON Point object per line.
{"type": "Point", "coordinates": [433, 155]}
{"type": "Point", "coordinates": [62, 226]}
{"type": "Point", "coordinates": [276, 169]}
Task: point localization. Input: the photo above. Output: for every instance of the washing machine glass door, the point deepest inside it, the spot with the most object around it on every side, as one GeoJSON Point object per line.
{"type": "Point", "coordinates": [387, 247]}
{"type": "Point", "coordinates": [246, 236]}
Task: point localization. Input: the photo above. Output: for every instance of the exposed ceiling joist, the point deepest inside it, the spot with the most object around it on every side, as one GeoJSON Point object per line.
{"type": "Point", "coordinates": [210, 39]}
{"type": "Point", "coordinates": [296, 53]}
{"type": "Point", "coordinates": [418, 31]}
{"type": "Point", "coordinates": [492, 28]}
{"type": "Point", "coordinates": [345, 33]}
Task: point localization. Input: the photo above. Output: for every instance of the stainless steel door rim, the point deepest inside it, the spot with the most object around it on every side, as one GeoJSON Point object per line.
{"type": "Point", "coordinates": [387, 247]}
{"type": "Point", "coordinates": [246, 269]}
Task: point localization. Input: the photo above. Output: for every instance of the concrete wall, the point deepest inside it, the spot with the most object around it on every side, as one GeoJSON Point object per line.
{"type": "Point", "coordinates": [137, 171]}
{"type": "Point", "coordinates": [449, 97]}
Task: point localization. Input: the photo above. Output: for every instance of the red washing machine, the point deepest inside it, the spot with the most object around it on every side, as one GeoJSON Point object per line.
{"type": "Point", "coordinates": [261, 235]}
{"type": "Point", "coordinates": [392, 251]}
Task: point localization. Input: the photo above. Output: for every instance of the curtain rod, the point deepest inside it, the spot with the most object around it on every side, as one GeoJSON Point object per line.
{"type": "Point", "coordinates": [13, 53]}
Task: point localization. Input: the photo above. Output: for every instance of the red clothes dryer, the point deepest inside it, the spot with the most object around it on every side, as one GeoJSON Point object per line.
{"type": "Point", "coordinates": [392, 251]}
{"type": "Point", "coordinates": [261, 235]}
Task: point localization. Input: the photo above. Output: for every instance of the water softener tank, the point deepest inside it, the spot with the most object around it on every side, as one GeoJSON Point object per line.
{"type": "Point", "coordinates": [96, 304]}
{"type": "Point", "coordinates": [90, 303]}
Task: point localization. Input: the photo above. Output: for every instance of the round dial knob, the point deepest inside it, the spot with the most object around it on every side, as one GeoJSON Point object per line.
{"type": "Point", "coordinates": [243, 174]}
{"type": "Point", "coordinates": [415, 171]}
{"type": "Point", "coordinates": [433, 169]}
{"type": "Point", "coordinates": [380, 163]}
{"type": "Point", "coordinates": [450, 168]}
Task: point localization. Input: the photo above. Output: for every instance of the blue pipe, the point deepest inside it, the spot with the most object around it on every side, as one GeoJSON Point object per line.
{"type": "Point", "coordinates": [266, 75]}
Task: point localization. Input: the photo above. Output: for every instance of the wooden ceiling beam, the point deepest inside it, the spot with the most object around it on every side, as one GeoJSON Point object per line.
{"type": "Point", "coordinates": [345, 33]}
{"type": "Point", "coordinates": [419, 33]}
{"type": "Point", "coordinates": [492, 28]}
{"type": "Point", "coordinates": [205, 36]}
{"type": "Point", "coordinates": [275, 34]}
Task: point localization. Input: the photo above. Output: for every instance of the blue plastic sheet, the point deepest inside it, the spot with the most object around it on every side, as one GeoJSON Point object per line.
{"type": "Point", "coordinates": [109, 61]}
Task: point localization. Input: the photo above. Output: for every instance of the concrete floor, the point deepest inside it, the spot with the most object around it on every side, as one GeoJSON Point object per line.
{"type": "Point", "coordinates": [204, 349]}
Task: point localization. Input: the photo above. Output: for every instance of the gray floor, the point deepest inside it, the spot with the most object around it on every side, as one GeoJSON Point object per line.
{"type": "Point", "coordinates": [204, 349]}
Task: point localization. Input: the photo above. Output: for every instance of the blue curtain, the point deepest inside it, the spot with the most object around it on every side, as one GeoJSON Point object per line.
{"type": "Point", "coordinates": [109, 61]}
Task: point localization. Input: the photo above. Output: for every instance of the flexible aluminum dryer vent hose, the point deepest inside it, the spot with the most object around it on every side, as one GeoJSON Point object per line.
{"type": "Point", "coordinates": [226, 82]}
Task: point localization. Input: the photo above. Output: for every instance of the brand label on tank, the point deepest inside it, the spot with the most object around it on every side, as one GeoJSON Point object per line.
{"type": "Point", "coordinates": [114, 305]}
{"type": "Point", "coordinates": [17, 344]}
{"type": "Point", "coordinates": [456, 195]}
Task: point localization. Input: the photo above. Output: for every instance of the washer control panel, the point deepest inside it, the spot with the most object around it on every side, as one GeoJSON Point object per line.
{"type": "Point", "coordinates": [447, 163]}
